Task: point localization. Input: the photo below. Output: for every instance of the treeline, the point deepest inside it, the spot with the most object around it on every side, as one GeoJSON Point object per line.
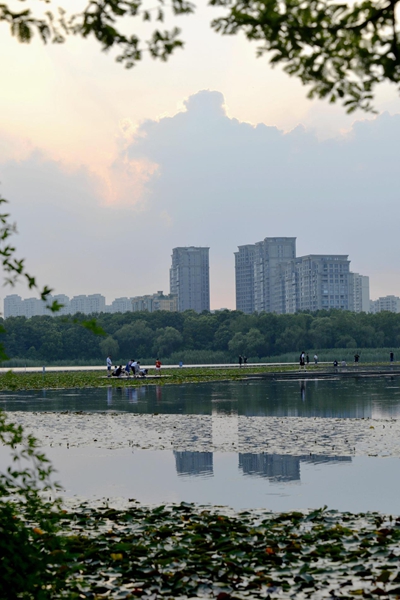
{"type": "Point", "coordinates": [190, 336]}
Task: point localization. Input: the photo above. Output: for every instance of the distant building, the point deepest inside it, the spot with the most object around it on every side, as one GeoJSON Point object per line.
{"type": "Point", "coordinates": [87, 305]}
{"type": "Point", "coordinates": [360, 292]}
{"type": "Point", "coordinates": [270, 278]}
{"type": "Point", "coordinates": [120, 305]}
{"type": "Point", "coordinates": [154, 302]}
{"type": "Point", "coordinates": [244, 277]}
{"type": "Point", "coordinates": [190, 279]}
{"type": "Point", "coordinates": [388, 303]}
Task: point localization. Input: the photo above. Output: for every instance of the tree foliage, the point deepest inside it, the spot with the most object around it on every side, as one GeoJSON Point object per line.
{"type": "Point", "coordinates": [26, 517]}
{"type": "Point", "coordinates": [169, 335]}
{"type": "Point", "coordinates": [342, 50]}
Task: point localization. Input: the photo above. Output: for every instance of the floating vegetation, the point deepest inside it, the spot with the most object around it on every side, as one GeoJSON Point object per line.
{"type": "Point", "coordinates": [187, 551]}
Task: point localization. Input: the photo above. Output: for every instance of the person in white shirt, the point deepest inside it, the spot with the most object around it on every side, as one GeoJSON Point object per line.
{"type": "Point", "coordinates": [315, 359]}
{"type": "Point", "coordinates": [109, 365]}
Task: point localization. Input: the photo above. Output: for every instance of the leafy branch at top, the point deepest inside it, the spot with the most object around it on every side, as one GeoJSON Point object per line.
{"type": "Point", "coordinates": [101, 19]}
{"type": "Point", "coordinates": [342, 50]}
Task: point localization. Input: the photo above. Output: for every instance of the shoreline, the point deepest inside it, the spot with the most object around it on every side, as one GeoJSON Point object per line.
{"type": "Point", "coordinates": [60, 379]}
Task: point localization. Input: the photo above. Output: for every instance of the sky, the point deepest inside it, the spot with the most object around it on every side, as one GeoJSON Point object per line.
{"type": "Point", "coordinates": [107, 169]}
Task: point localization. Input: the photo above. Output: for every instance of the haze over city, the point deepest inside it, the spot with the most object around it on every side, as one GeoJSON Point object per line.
{"type": "Point", "coordinates": [107, 170]}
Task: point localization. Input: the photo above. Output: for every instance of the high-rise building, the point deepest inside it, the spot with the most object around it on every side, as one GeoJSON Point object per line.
{"type": "Point", "coordinates": [269, 278]}
{"type": "Point", "coordinates": [360, 292]}
{"type": "Point", "coordinates": [244, 277]}
{"type": "Point", "coordinates": [323, 282]}
{"type": "Point", "coordinates": [190, 278]}
{"type": "Point", "coordinates": [269, 256]}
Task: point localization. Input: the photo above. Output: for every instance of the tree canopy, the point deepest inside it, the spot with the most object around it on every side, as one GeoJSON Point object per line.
{"type": "Point", "coordinates": [342, 50]}
{"type": "Point", "coordinates": [193, 337]}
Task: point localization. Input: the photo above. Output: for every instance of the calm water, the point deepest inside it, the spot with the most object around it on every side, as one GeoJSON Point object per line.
{"type": "Point", "coordinates": [240, 480]}
{"type": "Point", "coordinates": [336, 398]}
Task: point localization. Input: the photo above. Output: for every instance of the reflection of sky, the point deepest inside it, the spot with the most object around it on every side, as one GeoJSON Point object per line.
{"type": "Point", "coordinates": [365, 483]}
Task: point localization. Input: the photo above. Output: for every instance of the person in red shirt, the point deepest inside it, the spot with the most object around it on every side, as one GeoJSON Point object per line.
{"type": "Point", "coordinates": [158, 367]}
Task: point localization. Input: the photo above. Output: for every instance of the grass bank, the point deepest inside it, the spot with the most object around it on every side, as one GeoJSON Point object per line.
{"type": "Point", "coordinates": [11, 381]}
{"type": "Point", "coordinates": [82, 379]}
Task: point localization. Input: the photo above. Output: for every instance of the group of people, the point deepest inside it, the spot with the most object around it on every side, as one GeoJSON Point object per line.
{"type": "Point", "coordinates": [242, 360]}
{"type": "Point", "coordinates": [305, 360]}
{"type": "Point", "coordinates": [132, 366]}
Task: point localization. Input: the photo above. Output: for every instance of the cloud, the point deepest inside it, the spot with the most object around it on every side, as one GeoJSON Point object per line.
{"type": "Point", "coordinates": [203, 178]}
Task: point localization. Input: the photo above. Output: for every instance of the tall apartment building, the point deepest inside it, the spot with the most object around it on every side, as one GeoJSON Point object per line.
{"type": "Point", "coordinates": [388, 303]}
{"type": "Point", "coordinates": [360, 292]}
{"type": "Point", "coordinates": [190, 278]}
{"type": "Point", "coordinates": [284, 284]}
{"type": "Point", "coordinates": [323, 282]}
{"type": "Point", "coordinates": [244, 278]}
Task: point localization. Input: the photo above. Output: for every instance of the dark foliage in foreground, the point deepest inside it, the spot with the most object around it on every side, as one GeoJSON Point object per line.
{"type": "Point", "coordinates": [225, 333]}
{"type": "Point", "coordinates": [183, 551]}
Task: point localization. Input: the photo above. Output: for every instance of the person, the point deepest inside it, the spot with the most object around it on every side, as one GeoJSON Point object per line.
{"type": "Point", "coordinates": [142, 372]}
{"type": "Point", "coordinates": [335, 364]}
{"type": "Point", "coordinates": [240, 360]}
{"type": "Point", "coordinates": [245, 360]}
{"type": "Point", "coordinates": [117, 372]}
{"type": "Point", "coordinates": [158, 367]}
{"type": "Point", "coordinates": [315, 359]}
{"type": "Point", "coordinates": [307, 359]}
{"type": "Point", "coordinates": [109, 365]}
{"type": "Point", "coordinates": [180, 364]}
{"type": "Point", "coordinates": [356, 358]}
{"type": "Point", "coordinates": [128, 368]}
{"type": "Point", "coordinates": [391, 357]}
{"type": "Point", "coordinates": [135, 366]}
{"type": "Point", "coordinates": [302, 360]}
{"type": "Point", "coordinates": [343, 363]}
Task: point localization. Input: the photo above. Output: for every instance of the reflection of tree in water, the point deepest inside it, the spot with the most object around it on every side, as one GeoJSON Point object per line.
{"type": "Point", "coordinates": [194, 463]}
{"type": "Point", "coordinates": [281, 467]}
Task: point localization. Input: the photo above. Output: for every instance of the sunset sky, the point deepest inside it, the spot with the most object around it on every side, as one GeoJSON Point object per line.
{"type": "Point", "coordinates": [108, 169]}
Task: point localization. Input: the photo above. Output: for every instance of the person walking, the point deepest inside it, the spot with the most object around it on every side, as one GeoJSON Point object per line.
{"type": "Point", "coordinates": [356, 359]}
{"type": "Point", "coordinates": [244, 360]}
{"type": "Point", "coordinates": [240, 361]}
{"type": "Point", "coordinates": [391, 358]}
{"type": "Point", "coordinates": [302, 361]}
{"type": "Point", "coordinates": [315, 359]}
{"type": "Point", "coordinates": [158, 367]}
{"type": "Point", "coordinates": [109, 365]}
{"type": "Point", "coordinates": [307, 359]}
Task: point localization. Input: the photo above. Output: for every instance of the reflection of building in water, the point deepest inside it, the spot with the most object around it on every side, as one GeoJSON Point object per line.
{"type": "Point", "coordinates": [194, 463]}
{"type": "Point", "coordinates": [281, 467]}
{"type": "Point", "coordinates": [224, 428]}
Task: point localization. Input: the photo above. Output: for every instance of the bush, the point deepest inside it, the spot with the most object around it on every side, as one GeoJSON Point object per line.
{"type": "Point", "coordinates": [27, 520]}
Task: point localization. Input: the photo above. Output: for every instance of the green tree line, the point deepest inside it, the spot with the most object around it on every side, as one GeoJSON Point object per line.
{"type": "Point", "coordinates": [215, 337]}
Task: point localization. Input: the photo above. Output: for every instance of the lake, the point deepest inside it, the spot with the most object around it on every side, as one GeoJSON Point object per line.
{"type": "Point", "coordinates": [200, 467]}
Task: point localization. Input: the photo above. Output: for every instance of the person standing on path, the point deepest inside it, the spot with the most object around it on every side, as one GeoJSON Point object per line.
{"type": "Point", "coordinates": [109, 365]}
{"type": "Point", "coordinates": [158, 367]}
{"type": "Point", "coordinates": [240, 361]}
{"type": "Point", "coordinates": [356, 359]}
{"type": "Point", "coordinates": [307, 359]}
{"type": "Point", "coordinates": [391, 358]}
{"type": "Point", "coordinates": [315, 359]}
{"type": "Point", "coordinates": [302, 360]}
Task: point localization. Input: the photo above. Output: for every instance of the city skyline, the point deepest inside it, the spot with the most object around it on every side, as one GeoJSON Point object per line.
{"type": "Point", "coordinates": [269, 277]}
